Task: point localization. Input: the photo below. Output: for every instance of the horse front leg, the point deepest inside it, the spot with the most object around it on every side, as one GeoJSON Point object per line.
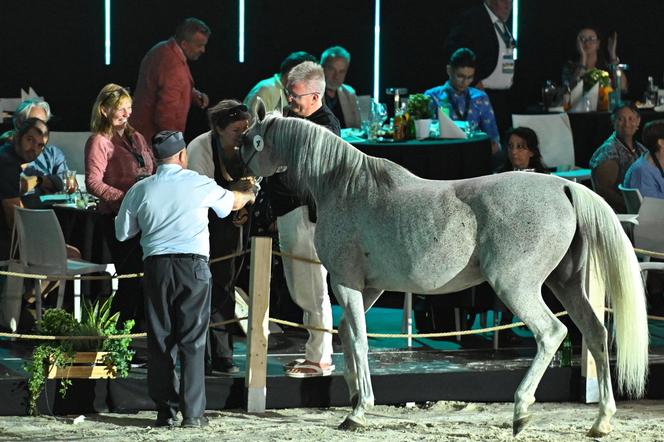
{"type": "Point", "coordinates": [353, 333]}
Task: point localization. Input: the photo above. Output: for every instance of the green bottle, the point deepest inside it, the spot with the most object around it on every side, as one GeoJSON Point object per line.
{"type": "Point", "coordinates": [566, 353]}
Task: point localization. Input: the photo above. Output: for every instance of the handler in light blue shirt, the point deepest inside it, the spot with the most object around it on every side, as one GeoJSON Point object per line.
{"type": "Point", "coordinates": [170, 209]}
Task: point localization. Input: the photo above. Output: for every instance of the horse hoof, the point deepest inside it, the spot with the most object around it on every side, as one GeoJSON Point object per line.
{"type": "Point", "coordinates": [351, 424]}
{"type": "Point", "coordinates": [519, 424]}
{"type": "Point", "coordinates": [596, 433]}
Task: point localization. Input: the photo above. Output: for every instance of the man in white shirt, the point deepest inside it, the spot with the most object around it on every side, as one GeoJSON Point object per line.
{"type": "Point", "coordinates": [170, 210]}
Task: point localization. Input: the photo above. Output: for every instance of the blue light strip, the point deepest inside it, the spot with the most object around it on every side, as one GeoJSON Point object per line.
{"type": "Point", "coordinates": [107, 32]}
{"type": "Point", "coordinates": [241, 32]}
{"type": "Point", "coordinates": [515, 23]}
{"type": "Point", "coordinates": [376, 85]}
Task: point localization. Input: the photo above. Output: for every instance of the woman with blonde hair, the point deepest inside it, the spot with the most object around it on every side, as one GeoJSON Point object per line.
{"type": "Point", "coordinates": [116, 157]}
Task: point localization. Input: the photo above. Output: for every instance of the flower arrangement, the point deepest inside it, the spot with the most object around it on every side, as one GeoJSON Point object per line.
{"type": "Point", "coordinates": [419, 106]}
{"type": "Point", "coordinates": [594, 76]}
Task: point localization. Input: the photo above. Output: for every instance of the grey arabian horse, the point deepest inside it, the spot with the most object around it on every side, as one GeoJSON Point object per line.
{"type": "Point", "coordinates": [382, 228]}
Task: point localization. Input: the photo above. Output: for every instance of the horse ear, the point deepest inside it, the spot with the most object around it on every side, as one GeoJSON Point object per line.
{"type": "Point", "coordinates": [259, 110]}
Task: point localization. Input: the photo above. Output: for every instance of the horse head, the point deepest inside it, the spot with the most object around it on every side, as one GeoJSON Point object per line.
{"type": "Point", "coordinates": [256, 150]}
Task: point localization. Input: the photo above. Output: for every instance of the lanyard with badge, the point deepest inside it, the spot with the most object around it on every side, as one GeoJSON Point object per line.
{"type": "Point", "coordinates": [507, 61]}
{"type": "Point", "coordinates": [141, 172]}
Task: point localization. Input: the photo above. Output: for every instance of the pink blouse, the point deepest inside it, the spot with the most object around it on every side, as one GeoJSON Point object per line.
{"type": "Point", "coordinates": [112, 166]}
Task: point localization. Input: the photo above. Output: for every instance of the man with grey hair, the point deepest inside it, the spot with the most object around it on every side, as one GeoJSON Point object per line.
{"type": "Point", "coordinates": [272, 90]}
{"type": "Point", "coordinates": [43, 175]}
{"type": "Point", "coordinates": [165, 88]}
{"type": "Point", "coordinates": [339, 97]}
{"type": "Point", "coordinates": [296, 226]}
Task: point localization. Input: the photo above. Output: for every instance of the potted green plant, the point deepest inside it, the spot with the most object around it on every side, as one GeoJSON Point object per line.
{"type": "Point", "coordinates": [98, 358]}
{"type": "Point", "coordinates": [419, 108]}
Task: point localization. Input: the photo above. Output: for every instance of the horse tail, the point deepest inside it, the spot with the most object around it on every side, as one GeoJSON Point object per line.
{"type": "Point", "coordinates": [611, 255]}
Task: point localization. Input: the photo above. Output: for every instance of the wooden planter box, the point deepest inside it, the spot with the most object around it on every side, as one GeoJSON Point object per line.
{"type": "Point", "coordinates": [86, 365]}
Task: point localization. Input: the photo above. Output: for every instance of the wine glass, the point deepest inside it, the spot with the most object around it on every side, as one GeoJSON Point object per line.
{"type": "Point", "coordinates": [378, 117]}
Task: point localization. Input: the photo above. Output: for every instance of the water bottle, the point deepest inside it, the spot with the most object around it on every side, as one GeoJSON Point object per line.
{"type": "Point", "coordinates": [566, 353]}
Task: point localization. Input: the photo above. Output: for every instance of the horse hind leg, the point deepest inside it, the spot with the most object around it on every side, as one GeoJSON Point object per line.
{"type": "Point", "coordinates": [353, 333]}
{"type": "Point", "coordinates": [571, 293]}
{"type": "Point", "coordinates": [525, 301]}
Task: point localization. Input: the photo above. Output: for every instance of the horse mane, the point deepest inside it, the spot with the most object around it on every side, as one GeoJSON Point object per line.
{"type": "Point", "coordinates": [319, 160]}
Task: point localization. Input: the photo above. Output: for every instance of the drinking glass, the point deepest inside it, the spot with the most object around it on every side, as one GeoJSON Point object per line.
{"type": "Point", "coordinates": [70, 184]}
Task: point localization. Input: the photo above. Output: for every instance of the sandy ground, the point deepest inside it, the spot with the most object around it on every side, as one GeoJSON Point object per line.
{"type": "Point", "coordinates": [444, 421]}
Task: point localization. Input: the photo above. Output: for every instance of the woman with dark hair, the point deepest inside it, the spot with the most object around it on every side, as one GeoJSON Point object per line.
{"type": "Point", "coordinates": [523, 151]}
{"type": "Point", "coordinates": [646, 174]}
{"type": "Point", "coordinates": [590, 57]}
{"type": "Point", "coordinates": [611, 160]}
{"type": "Point", "coordinates": [214, 154]}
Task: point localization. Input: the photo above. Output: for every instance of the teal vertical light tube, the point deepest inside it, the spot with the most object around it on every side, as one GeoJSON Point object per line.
{"type": "Point", "coordinates": [515, 23]}
{"type": "Point", "coordinates": [107, 32]}
{"type": "Point", "coordinates": [240, 55]}
{"type": "Point", "coordinates": [376, 82]}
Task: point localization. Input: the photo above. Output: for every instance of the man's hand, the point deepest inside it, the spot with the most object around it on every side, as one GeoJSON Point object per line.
{"type": "Point", "coordinates": [47, 185]}
{"type": "Point", "coordinates": [244, 184]}
{"type": "Point", "coordinates": [240, 217]}
{"type": "Point", "coordinates": [242, 198]}
{"type": "Point", "coordinates": [28, 183]}
{"type": "Point", "coordinates": [201, 99]}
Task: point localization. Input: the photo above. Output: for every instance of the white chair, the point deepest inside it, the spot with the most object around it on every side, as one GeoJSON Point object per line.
{"type": "Point", "coordinates": [554, 132]}
{"type": "Point", "coordinates": [72, 145]}
{"type": "Point", "coordinates": [42, 250]}
{"type": "Point", "coordinates": [648, 233]}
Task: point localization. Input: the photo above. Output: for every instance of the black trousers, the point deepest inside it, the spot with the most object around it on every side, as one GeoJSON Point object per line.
{"type": "Point", "coordinates": [177, 304]}
{"type": "Point", "coordinates": [224, 237]}
{"type": "Point", "coordinates": [128, 258]}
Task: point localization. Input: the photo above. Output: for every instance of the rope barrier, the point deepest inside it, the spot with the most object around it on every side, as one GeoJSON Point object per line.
{"type": "Point", "coordinates": [296, 258]}
{"type": "Point", "coordinates": [54, 277]}
{"type": "Point", "coordinates": [650, 253]}
{"type": "Point", "coordinates": [305, 327]}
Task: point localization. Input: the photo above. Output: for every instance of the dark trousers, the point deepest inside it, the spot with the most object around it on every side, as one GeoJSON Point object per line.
{"type": "Point", "coordinates": [500, 101]}
{"type": "Point", "coordinates": [224, 237]}
{"type": "Point", "coordinates": [127, 257]}
{"type": "Point", "coordinates": [177, 304]}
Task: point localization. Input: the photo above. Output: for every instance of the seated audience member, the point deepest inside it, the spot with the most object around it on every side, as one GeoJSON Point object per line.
{"type": "Point", "coordinates": [116, 157]}
{"type": "Point", "coordinates": [611, 160]}
{"type": "Point", "coordinates": [214, 155]}
{"type": "Point", "coordinates": [27, 144]}
{"type": "Point", "coordinates": [51, 164]}
{"type": "Point", "coordinates": [523, 151]}
{"type": "Point", "coordinates": [590, 57]}
{"type": "Point", "coordinates": [272, 90]}
{"type": "Point", "coordinates": [646, 174]}
{"type": "Point", "coordinates": [465, 103]}
{"type": "Point", "coordinates": [339, 97]}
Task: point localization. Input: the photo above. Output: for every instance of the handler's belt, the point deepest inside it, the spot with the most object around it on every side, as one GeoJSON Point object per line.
{"type": "Point", "coordinates": [181, 255]}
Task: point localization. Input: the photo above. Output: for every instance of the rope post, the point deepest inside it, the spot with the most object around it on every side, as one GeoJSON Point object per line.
{"type": "Point", "coordinates": [257, 330]}
{"type": "Point", "coordinates": [596, 293]}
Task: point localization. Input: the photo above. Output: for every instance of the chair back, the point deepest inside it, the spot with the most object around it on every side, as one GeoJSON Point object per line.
{"type": "Point", "coordinates": [554, 132]}
{"type": "Point", "coordinates": [72, 144]}
{"type": "Point", "coordinates": [632, 198]}
{"type": "Point", "coordinates": [648, 234]}
{"type": "Point", "coordinates": [41, 243]}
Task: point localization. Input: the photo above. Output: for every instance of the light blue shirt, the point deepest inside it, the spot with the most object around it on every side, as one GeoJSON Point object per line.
{"type": "Point", "coordinates": [170, 209]}
{"type": "Point", "coordinates": [646, 177]}
{"type": "Point", "coordinates": [51, 163]}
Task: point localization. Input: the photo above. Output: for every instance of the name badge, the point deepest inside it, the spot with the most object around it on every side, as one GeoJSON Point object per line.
{"type": "Point", "coordinates": [508, 61]}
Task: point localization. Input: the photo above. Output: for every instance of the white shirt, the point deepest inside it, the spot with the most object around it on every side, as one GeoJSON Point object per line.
{"type": "Point", "coordinates": [498, 79]}
{"type": "Point", "coordinates": [170, 209]}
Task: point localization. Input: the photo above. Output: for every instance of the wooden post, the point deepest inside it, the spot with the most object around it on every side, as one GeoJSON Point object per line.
{"type": "Point", "coordinates": [596, 294]}
{"type": "Point", "coordinates": [258, 331]}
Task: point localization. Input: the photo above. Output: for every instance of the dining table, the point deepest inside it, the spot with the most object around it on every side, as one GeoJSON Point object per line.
{"type": "Point", "coordinates": [433, 158]}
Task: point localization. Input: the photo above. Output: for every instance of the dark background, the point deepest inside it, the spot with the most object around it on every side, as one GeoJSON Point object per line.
{"type": "Point", "coordinates": [56, 46]}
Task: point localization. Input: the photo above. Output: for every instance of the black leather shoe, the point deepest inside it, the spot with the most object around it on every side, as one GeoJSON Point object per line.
{"type": "Point", "coordinates": [165, 422]}
{"type": "Point", "coordinates": [194, 422]}
{"type": "Point", "coordinates": [222, 366]}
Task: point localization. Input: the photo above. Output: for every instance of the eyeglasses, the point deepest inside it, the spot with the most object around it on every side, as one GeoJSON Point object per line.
{"type": "Point", "coordinates": [588, 39]}
{"type": "Point", "coordinates": [295, 96]}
